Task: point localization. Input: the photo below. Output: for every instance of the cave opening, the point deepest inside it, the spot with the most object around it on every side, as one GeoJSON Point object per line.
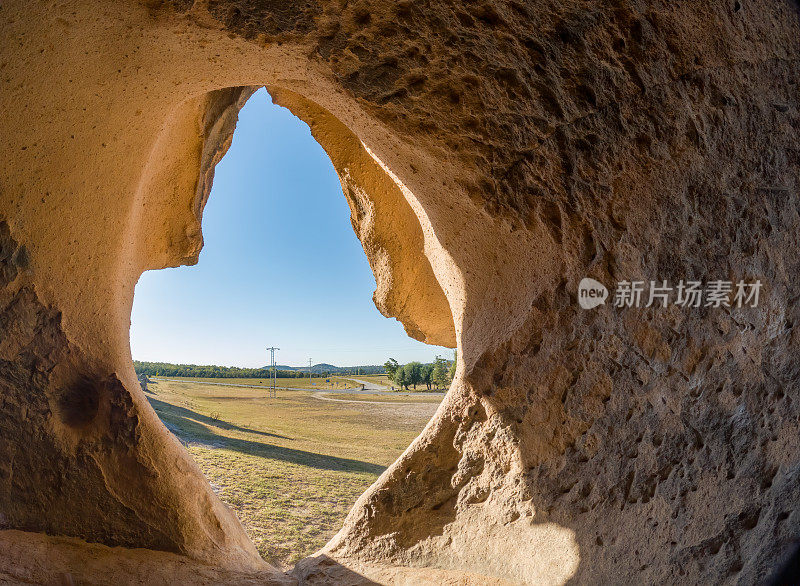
{"type": "Point", "coordinates": [280, 266]}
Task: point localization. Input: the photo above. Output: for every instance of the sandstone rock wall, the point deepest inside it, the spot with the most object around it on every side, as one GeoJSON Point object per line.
{"type": "Point", "coordinates": [493, 154]}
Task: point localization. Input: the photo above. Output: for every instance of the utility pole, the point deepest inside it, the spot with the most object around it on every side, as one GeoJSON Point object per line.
{"type": "Point", "coordinates": [309, 372]}
{"type": "Point", "coordinates": [273, 391]}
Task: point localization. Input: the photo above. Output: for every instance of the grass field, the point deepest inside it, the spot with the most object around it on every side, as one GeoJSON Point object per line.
{"type": "Point", "coordinates": [334, 382]}
{"type": "Point", "coordinates": [290, 467]}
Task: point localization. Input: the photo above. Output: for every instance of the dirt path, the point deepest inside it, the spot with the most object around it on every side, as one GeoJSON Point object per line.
{"type": "Point", "coordinates": [321, 395]}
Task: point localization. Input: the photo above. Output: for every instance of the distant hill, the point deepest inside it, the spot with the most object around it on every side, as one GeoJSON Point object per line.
{"type": "Point", "coordinates": [325, 368]}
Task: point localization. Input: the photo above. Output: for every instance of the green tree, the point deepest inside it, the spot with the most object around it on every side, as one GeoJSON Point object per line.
{"type": "Point", "coordinates": [427, 375]}
{"type": "Point", "coordinates": [439, 374]}
{"type": "Point", "coordinates": [452, 372]}
{"type": "Point", "coordinates": [391, 367]}
{"type": "Point", "coordinates": [413, 373]}
{"type": "Point", "coordinates": [401, 378]}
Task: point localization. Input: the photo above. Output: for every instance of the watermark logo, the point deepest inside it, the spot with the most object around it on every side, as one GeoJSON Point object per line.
{"type": "Point", "coordinates": [591, 293]}
{"type": "Point", "coordinates": [715, 293]}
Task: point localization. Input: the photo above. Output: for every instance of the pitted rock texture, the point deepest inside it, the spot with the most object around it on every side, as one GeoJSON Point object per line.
{"type": "Point", "coordinates": [67, 429]}
{"type": "Point", "coordinates": [493, 154]}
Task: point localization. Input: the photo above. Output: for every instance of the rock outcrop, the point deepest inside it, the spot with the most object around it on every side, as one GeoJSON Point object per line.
{"type": "Point", "coordinates": [493, 154]}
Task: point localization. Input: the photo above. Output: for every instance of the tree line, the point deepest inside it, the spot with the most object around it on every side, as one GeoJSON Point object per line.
{"type": "Point", "coordinates": [436, 374]}
{"type": "Point", "coordinates": [213, 371]}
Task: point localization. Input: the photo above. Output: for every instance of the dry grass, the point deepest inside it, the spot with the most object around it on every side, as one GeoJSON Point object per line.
{"type": "Point", "coordinates": [290, 467]}
{"type": "Point", "coordinates": [334, 382]}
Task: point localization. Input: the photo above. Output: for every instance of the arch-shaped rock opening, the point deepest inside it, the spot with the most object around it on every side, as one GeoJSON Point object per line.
{"type": "Point", "coordinates": [290, 466]}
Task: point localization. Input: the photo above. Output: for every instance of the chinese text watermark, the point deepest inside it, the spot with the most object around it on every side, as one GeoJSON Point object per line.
{"type": "Point", "coordinates": [718, 293]}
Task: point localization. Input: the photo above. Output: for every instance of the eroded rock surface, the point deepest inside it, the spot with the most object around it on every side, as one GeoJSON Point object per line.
{"type": "Point", "coordinates": [493, 154]}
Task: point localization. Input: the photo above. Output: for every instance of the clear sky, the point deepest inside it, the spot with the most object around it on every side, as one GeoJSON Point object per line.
{"type": "Point", "coordinates": [281, 265]}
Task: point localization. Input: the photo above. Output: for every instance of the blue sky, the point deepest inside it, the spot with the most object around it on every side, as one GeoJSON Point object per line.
{"type": "Point", "coordinates": [281, 265]}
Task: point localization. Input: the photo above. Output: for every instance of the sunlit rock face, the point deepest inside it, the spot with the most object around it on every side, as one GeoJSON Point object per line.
{"type": "Point", "coordinates": [493, 155]}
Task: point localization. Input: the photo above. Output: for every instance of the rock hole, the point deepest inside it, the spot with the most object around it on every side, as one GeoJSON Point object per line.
{"type": "Point", "coordinates": [78, 403]}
